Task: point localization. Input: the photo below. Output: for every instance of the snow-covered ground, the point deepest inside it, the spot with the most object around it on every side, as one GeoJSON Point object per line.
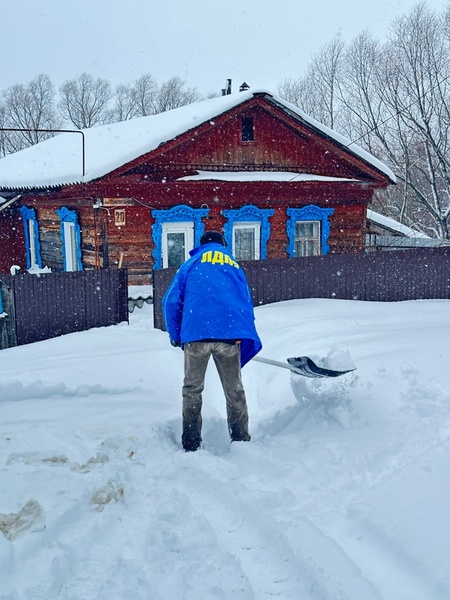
{"type": "Point", "coordinates": [343, 492]}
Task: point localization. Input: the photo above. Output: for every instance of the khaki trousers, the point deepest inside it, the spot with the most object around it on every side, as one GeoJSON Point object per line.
{"type": "Point", "coordinates": [227, 358]}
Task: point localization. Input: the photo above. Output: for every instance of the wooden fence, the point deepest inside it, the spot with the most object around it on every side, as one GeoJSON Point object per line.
{"type": "Point", "coordinates": [380, 276]}
{"type": "Point", "coordinates": [53, 304]}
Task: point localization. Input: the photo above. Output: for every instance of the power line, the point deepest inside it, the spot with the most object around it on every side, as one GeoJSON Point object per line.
{"type": "Point", "coordinates": [399, 112]}
{"type": "Point", "coordinates": [83, 142]}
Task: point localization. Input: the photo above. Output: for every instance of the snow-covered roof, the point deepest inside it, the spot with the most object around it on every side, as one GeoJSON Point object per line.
{"type": "Point", "coordinates": [394, 226]}
{"type": "Point", "coordinates": [258, 176]}
{"type": "Point", "coordinates": [97, 151]}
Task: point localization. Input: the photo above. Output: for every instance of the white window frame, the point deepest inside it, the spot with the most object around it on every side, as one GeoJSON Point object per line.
{"type": "Point", "coordinates": [186, 227]}
{"type": "Point", "coordinates": [70, 244]}
{"type": "Point", "coordinates": [316, 240]}
{"type": "Point", "coordinates": [32, 234]}
{"type": "Point", "coordinates": [256, 226]}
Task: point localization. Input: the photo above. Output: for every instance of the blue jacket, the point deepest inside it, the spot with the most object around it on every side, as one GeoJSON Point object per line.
{"type": "Point", "coordinates": [209, 298]}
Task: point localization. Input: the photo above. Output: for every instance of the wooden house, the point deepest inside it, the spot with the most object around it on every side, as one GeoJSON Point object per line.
{"type": "Point", "coordinates": [140, 193]}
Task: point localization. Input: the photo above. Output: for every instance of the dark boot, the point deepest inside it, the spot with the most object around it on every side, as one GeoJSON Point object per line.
{"type": "Point", "coordinates": [191, 443]}
{"type": "Point", "coordinates": [238, 436]}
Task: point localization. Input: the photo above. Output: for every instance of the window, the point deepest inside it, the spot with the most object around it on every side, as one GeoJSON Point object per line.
{"type": "Point", "coordinates": [308, 230]}
{"type": "Point", "coordinates": [177, 241]}
{"type": "Point", "coordinates": [247, 130]}
{"type": "Point", "coordinates": [307, 238]}
{"type": "Point", "coordinates": [31, 230]}
{"type": "Point", "coordinates": [175, 232]}
{"type": "Point", "coordinates": [247, 231]}
{"type": "Point", "coordinates": [71, 239]}
{"type": "Point", "coordinates": [70, 247]}
{"type": "Point", "coordinates": [246, 241]}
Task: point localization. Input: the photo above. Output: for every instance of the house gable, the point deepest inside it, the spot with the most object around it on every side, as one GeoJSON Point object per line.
{"type": "Point", "coordinates": [280, 143]}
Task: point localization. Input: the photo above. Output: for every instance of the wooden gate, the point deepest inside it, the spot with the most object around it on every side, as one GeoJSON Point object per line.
{"type": "Point", "coordinates": [39, 307]}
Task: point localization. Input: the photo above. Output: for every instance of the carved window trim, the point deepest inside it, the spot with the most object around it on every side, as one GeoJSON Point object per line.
{"type": "Point", "coordinates": [29, 214]}
{"type": "Point", "coordinates": [249, 213]}
{"type": "Point", "coordinates": [308, 213]}
{"type": "Point", "coordinates": [176, 214]}
{"type": "Point", "coordinates": [70, 216]}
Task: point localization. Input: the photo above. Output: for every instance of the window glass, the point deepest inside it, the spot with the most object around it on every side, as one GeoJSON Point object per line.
{"type": "Point", "coordinates": [307, 238]}
{"type": "Point", "coordinates": [248, 134]}
{"type": "Point", "coordinates": [176, 249]}
{"type": "Point", "coordinates": [246, 241]}
{"type": "Point", "coordinates": [177, 241]}
{"type": "Point", "coordinates": [32, 237]}
{"type": "Point", "coordinates": [251, 243]}
{"type": "Point", "coordinates": [70, 241]}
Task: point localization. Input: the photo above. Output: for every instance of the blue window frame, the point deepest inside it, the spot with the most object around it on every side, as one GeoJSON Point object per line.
{"type": "Point", "coordinates": [177, 214]}
{"type": "Point", "coordinates": [249, 214]}
{"type": "Point", "coordinates": [71, 239]}
{"type": "Point", "coordinates": [31, 230]}
{"type": "Point", "coordinates": [304, 215]}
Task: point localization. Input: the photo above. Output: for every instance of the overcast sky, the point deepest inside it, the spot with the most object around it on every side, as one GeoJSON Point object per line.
{"type": "Point", "coordinates": [205, 42]}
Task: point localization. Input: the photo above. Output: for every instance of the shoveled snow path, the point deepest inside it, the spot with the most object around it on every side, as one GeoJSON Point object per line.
{"type": "Point", "coordinates": [170, 524]}
{"type": "Point", "coordinates": [334, 498]}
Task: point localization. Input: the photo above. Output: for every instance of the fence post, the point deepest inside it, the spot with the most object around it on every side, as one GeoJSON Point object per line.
{"type": "Point", "coordinates": [8, 337]}
{"type": "Point", "coordinates": [162, 278]}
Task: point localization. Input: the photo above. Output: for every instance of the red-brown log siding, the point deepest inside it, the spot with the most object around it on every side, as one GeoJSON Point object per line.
{"type": "Point", "coordinates": [12, 240]}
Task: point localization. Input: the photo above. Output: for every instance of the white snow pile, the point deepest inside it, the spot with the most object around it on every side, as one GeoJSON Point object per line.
{"type": "Point", "coordinates": [342, 494]}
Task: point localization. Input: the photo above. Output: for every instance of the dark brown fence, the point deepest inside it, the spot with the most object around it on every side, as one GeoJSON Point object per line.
{"type": "Point", "coordinates": [381, 276]}
{"type": "Point", "coordinates": [53, 304]}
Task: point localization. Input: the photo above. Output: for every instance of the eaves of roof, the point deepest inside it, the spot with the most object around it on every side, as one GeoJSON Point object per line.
{"type": "Point", "coordinates": [141, 137]}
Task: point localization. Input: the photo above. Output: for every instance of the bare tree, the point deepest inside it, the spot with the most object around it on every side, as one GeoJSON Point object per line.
{"type": "Point", "coordinates": [394, 100]}
{"type": "Point", "coordinates": [174, 93]}
{"type": "Point", "coordinates": [3, 134]}
{"type": "Point", "coordinates": [84, 101]}
{"type": "Point", "coordinates": [144, 95]}
{"type": "Point", "coordinates": [418, 96]}
{"type": "Point", "coordinates": [326, 78]}
{"type": "Point", "coordinates": [446, 20]}
{"type": "Point", "coordinates": [31, 108]}
{"type": "Point", "coordinates": [294, 91]}
{"type": "Point", "coordinates": [123, 108]}
{"type": "Point", "coordinates": [318, 91]}
{"type": "Point", "coordinates": [363, 90]}
{"type": "Point", "coordinates": [138, 99]}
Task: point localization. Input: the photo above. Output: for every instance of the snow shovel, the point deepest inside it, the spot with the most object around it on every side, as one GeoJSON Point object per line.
{"type": "Point", "coordinates": [302, 365]}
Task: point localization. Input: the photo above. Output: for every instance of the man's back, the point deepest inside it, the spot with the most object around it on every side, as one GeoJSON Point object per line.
{"type": "Point", "coordinates": [210, 299]}
{"type": "Point", "coordinates": [217, 301]}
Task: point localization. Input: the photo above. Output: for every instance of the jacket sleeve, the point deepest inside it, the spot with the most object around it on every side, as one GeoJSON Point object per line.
{"type": "Point", "coordinates": [172, 306]}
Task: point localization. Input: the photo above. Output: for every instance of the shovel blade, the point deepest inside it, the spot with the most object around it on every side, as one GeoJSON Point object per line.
{"type": "Point", "coordinates": [303, 365]}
